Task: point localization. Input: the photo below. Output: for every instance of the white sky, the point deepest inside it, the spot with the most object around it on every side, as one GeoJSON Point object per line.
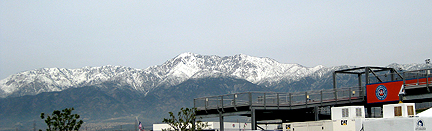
{"type": "Point", "coordinates": [140, 34]}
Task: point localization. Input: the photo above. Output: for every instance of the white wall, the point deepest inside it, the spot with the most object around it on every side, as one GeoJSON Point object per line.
{"type": "Point", "coordinates": [399, 124]}
{"type": "Point", "coordinates": [388, 110]}
{"type": "Point", "coordinates": [336, 112]}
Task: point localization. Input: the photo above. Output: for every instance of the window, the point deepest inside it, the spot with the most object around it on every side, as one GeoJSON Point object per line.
{"type": "Point", "coordinates": [345, 112]}
{"type": "Point", "coordinates": [398, 111]}
{"type": "Point", "coordinates": [358, 112]}
{"type": "Point", "coordinates": [410, 110]}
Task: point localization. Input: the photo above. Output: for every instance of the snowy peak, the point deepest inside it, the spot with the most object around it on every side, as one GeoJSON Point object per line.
{"type": "Point", "coordinates": [185, 65]}
{"type": "Point", "coordinates": [186, 55]}
{"type": "Point", "coordinates": [57, 79]}
{"type": "Point", "coordinates": [253, 69]}
{"type": "Point", "coordinates": [258, 70]}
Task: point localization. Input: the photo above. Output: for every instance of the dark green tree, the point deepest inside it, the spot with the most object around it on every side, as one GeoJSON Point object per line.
{"type": "Point", "coordinates": [185, 120]}
{"type": "Point", "coordinates": [62, 120]}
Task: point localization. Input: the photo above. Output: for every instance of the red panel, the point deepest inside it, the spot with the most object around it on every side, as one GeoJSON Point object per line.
{"type": "Point", "coordinates": [420, 81]}
{"type": "Point", "coordinates": [383, 92]}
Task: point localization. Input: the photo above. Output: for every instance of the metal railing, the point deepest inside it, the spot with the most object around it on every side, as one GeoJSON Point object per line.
{"type": "Point", "coordinates": [417, 78]}
{"type": "Point", "coordinates": [388, 77]}
{"type": "Point", "coordinates": [274, 99]}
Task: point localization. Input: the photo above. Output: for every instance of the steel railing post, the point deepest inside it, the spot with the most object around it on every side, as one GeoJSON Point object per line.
{"type": "Point", "coordinates": [205, 103]}
{"type": "Point", "coordinates": [222, 103]}
{"type": "Point", "coordinates": [290, 100]}
{"type": "Point", "coordinates": [250, 98]}
{"type": "Point", "coordinates": [265, 99]}
{"type": "Point", "coordinates": [235, 103]}
{"type": "Point", "coordinates": [427, 78]}
{"type": "Point", "coordinates": [417, 76]}
{"type": "Point", "coordinates": [349, 93]}
{"type": "Point", "coordinates": [234, 99]}
{"type": "Point", "coordinates": [277, 95]}
{"type": "Point", "coordinates": [335, 95]}
{"type": "Point", "coordinates": [321, 93]}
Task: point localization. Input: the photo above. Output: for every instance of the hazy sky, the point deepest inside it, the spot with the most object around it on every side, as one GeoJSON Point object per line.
{"type": "Point", "coordinates": [140, 34]}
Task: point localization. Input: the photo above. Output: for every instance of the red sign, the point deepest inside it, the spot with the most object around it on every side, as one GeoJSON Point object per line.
{"type": "Point", "coordinates": [383, 92]}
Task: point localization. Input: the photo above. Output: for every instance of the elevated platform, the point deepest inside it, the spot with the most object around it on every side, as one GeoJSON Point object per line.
{"type": "Point", "coordinates": [298, 106]}
{"type": "Point", "coordinates": [417, 85]}
{"type": "Point", "coordinates": [315, 105]}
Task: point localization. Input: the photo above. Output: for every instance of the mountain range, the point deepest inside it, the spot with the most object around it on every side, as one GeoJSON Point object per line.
{"type": "Point", "coordinates": [261, 71]}
{"type": "Point", "coordinates": [118, 94]}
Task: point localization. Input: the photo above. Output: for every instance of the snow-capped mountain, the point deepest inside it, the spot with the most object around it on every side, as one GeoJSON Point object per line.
{"type": "Point", "coordinates": [252, 69]}
{"type": "Point", "coordinates": [172, 72]}
{"type": "Point", "coordinates": [57, 79]}
{"type": "Point", "coordinates": [261, 71]}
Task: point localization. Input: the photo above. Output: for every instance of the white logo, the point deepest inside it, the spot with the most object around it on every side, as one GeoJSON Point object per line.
{"type": "Point", "coordinates": [420, 125]}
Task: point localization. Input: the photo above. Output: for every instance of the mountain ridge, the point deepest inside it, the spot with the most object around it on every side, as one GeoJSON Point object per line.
{"type": "Point", "coordinates": [262, 71]}
{"type": "Point", "coordinates": [258, 70]}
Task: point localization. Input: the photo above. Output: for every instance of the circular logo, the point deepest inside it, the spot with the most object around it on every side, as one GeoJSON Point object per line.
{"type": "Point", "coordinates": [381, 92]}
{"type": "Point", "coordinates": [419, 123]}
